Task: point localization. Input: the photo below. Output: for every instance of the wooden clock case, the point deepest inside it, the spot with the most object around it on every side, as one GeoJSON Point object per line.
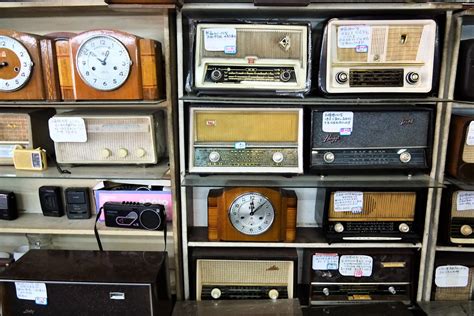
{"type": "Point", "coordinates": [282, 229]}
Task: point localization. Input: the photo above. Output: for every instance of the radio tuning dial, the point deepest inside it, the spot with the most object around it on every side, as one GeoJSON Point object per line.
{"type": "Point", "coordinates": [214, 156]}
{"type": "Point", "coordinates": [140, 152]}
{"type": "Point", "coordinates": [273, 294]}
{"type": "Point", "coordinates": [404, 228]}
{"type": "Point", "coordinates": [466, 230]}
{"type": "Point", "coordinates": [405, 157]}
{"type": "Point", "coordinates": [285, 76]}
{"type": "Point", "coordinates": [277, 157]}
{"type": "Point", "coordinates": [105, 153]}
{"type": "Point", "coordinates": [216, 75]}
{"type": "Point", "coordinates": [412, 77]}
{"type": "Point", "coordinates": [392, 290]}
{"type": "Point", "coordinates": [122, 153]}
{"type": "Point", "coordinates": [216, 293]}
{"type": "Point", "coordinates": [341, 77]}
{"type": "Point", "coordinates": [338, 228]}
{"type": "Point", "coordinates": [329, 157]}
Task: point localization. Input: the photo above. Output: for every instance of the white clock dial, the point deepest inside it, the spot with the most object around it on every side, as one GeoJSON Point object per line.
{"type": "Point", "coordinates": [15, 64]}
{"type": "Point", "coordinates": [251, 213]}
{"type": "Point", "coordinates": [103, 62]}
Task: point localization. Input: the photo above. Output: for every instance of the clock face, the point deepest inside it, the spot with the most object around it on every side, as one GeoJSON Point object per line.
{"type": "Point", "coordinates": [15, 64]}
{"type": "Point", "coordinates": [251, 213]}
{"type": "Point", "coordinates": [103, 62]}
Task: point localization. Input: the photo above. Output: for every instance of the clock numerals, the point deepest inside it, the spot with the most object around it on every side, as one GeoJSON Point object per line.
{"type": "Point", "coordinates": [251, 214]}
{"type": "Point", "coordinates": [17, 71]}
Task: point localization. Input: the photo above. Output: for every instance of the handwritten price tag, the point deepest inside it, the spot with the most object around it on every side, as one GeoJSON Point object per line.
{"type": "Point", "coordinates": [465, 201]}
{"type": "Point", "coordinates": [348, 201]}
{"type": "Point", "coordinates": [353, 36]}
{"type": "Point", "coordinates": [452, 276]}
{"type": "Point", "coordinates": [356, 266]}
{"type": "Point", "coordinates": [67, 129]}
{"type": "Point", "coordinates": [338, 122]}
{"type": "Point", "coordinates": [220, 40]}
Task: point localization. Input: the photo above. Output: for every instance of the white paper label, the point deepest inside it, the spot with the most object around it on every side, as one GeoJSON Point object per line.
{"type": "Point", "coordinates": [221, 39]}
{"type": "Point", "coordinates": [32, 291]}
{"type": "Point", "coordinates": [67, 129]}
{"type": "Point", "coordinates": [470, 134]}
{"type": "Point", "coordinates": [325, 261]}
{"type": "Point", "coordinates": [338, 122]}
{"type": "Point", "coordinates": [356, 266]}
{"type": "Point", "coordinates": [452, 276]}
{"type": "Point", "coordinates": [348, 201]}
{"type": "Point", "coordinates": [6, 151]}
{"type": "Point", "coordinates": [353, 36]}
{"type": "Point", "coordinates": [465, 201]}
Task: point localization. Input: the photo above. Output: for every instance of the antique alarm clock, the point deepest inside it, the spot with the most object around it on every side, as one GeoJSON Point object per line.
{"type": "Point", "coordinates": [113, 65]}
{"type": "Point", "coordinates": [252, 214]}
{"type": "Point", "coordinates": [27, 67]}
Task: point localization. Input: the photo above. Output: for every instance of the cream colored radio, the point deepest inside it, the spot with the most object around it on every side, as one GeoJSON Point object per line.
{"type": "Point", "coordinates": [246, 140]}
{"type": "Point", "coordinates": [251, 57]}
{"type": "Point", "coordinates": [23, 128]}
{"type": "Point", "coordinates": [378, 56]}
{"type": "Point", "coordinates": [113, 137]}
{"type": "Point", "coordinates": [462, 218]}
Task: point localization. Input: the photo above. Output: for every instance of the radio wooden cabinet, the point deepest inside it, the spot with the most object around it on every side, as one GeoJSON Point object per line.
{"type": "Point", "coordinates": [148, 33]}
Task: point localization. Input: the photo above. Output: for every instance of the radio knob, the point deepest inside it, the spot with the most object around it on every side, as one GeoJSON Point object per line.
{"type": "Point", "coordinates": [273, 294]}
{"type": "Point", "coordinates": [338, 228]}
{"type": "Point", "coordinates": [122, 153]}
{"type": "Point", "coordinates": [216, 293]}
{"type": "Point", "coordinates": [412, 77]}
{"type": "Point", "coordinates": [105, 153]}
{"type": "Point", "coordinates": [285, 76]}
{"type": "Point", "coordinates": [214, 156]}
{"type": "Point", "coordinates": [326, 291]}
{"type": "Point", "coordinates": [216, 75]}
{"type": "Point", "coordinates": [341, 77]}
{"type": "Point", "coordinates": [405, 157]}
{"type": "Point", "coordinates": [140, 152]}
{"type": "Point", "coordinates": [404, 228]}
{"type": "Point", "coordinates": [329, 157]}
{"type": "Point", "coordinates": [277, 157]}
{"type": "Point", "coordinates": [466, 230]}
{"type": "Point", "coordinates": [392, 290]}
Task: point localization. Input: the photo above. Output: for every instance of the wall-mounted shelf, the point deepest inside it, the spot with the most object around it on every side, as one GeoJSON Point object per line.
{"type": "Point", "coordinates": [158, 104]}
{"type": "Point", "coordinates": [455, 248]}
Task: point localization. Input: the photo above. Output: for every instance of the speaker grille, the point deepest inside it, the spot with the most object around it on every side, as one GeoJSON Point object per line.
{"type": "Point", "coordinates": [376, 78]}
{"type": "Point", "coordinates": [468, 154]}
{"type": "Point", "coordinates": [403, 42]}
{"type": "Point", "coordinates": [14, 127]}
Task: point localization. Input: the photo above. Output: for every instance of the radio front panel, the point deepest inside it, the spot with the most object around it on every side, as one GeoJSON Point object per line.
{"type": "Point", "coordinates": [453, 277]}
{"type": "Point", "coordinates": [462, 218]}
{"type": "Point", "coordinates": [246, 140]}
{"type": "Point", "coordinates": [388, 56]}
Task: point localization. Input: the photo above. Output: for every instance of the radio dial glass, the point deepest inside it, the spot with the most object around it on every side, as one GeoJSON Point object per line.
{"type": "Point", "coordinates": [252, 213]}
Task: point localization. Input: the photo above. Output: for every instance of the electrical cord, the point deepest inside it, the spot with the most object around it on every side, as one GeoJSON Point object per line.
{"type": "Point", "coordinates": [96, 233]}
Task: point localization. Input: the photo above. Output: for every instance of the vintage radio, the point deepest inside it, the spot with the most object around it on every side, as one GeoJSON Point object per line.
{"type": "Point", "coordinates": [30, 159]}
{"type": "Point", "coordinates": [453, 277]}
{"type": "Point", "coordinates": [114, 65]}
{"type": "Point", "coordinates": [8, 206]}
{"type": "Point", "coordinates": [23, 128]}
{"type": "Point", "coordinates": [135, 215]}
{"type": "Point", "coordinates": [465, 72]}
{"type": "Point", "coordinates": [112, 137]}
{"type": "Point", "coordinates": [458, 214]}
{"type": "Point", "coordinates": [378, 56]}
{"type": "Point", "coordinates": [460, 154]}
{"type": "Point", "coordinates": [27, 67]}
{"type": "Point", "coordinates": [359, 275]}
{"type": "Point", "coordinates": [252, 214]}
{"type": "Point", "coordinates": [251, 57]}
{"type": "Point", "coordinates": [371, 138]}
{"type": "Point", "coordinates": [65, 282]}
{"type": "Point", "coordinates": [372, 215]}
{"type": "Point", "coordinates": [243, 273]}
{"type": "Point", "coordinates": [246, 140]}
{"type": "Point", "coordinates": [61, 44]}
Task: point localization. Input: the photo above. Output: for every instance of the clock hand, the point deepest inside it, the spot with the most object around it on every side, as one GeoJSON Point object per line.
{"type": "Point", "coordinates": [94, 55]}
{"type": "Point", "coordinates": [258, 207]}
{"type": "Point", "coordinates": [106, 56]}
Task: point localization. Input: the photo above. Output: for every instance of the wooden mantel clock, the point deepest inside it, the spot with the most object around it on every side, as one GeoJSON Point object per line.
{"type": "Point", "coordinates": [114, 65]}
{"type": "Point", "coordinates": [252, 214]}
{"type": "Point", "coordinates": [27, 67]}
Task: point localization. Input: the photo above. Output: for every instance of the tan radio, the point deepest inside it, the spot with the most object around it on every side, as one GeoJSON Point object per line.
{"type": "Point", "coordinates": [462, 217]}
{"type": "Point", "coordinates": [454, 277]}
{"type": "Point", "coordinates": [117, 137]}
{"type": "Point", "coordinates": [359, 216]}
{"type": "Point", "coordinates": [30, 159]}
{"type": "Point", "coordinates": [460, 154]}
{"type": "Point", "coordinates": [370, 56]}
{"type": "Point", "coordinates": [23, 129]}
{"type": "Point", "coordinates": [251, 57]}
{"type": "Point", "coordinates": [233, 140]}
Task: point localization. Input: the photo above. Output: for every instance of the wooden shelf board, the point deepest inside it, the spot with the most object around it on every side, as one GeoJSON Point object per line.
{"type": "Point", "coordinates": [306, 237]}
{"type": "Point", "coordinates": [159, 104]}
{"type": "Point", "coordinates": [455, 248]}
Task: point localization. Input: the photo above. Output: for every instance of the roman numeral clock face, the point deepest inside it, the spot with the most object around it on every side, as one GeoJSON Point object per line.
{"type": "Point", "coordinates": [251, 213]}
{"type": "Point", "coordinates": [103, 62]}
{"type": "Point", "coordinates": [15, 64]}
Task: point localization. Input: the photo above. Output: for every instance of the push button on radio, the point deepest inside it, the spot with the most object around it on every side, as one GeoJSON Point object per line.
{"type": "Point", "coordinates": [466, 230]}
{"type": "Point", "coordinates": [140, 152]}
{"type": "Point", "coordinates": [326, 291]}
{"type": "Point", "coordinates": [122, 153]}
{"type": "Point", "coordinates": [392, 290]}
{"type": "Point", "coordinates": [214, 156]}
{"type": "Point", "coordinates": [105, 153]}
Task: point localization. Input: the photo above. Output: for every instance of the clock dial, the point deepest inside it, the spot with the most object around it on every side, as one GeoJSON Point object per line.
{"type": "Point", "coordinates": [251, 213]}
{"type": "Point", "coordinates": [15, 64]}
{"type": "Point", "coordinates": [103, 62]}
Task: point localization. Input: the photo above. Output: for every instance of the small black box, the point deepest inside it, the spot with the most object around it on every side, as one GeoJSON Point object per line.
{"type": "Point", "coordinates": [8, 208]}
{"type": "Point", "coordinates": [77, 203]}
{"type": "Point", "coordinates": [51, 201]}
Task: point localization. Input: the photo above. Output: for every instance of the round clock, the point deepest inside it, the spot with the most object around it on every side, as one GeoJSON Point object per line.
{"type": "Point", "coordinates": [15, 64]}
{"type": "Point", "coordinates": [103, 62]}
{"type": "Point", "coordinates": [251, 213]}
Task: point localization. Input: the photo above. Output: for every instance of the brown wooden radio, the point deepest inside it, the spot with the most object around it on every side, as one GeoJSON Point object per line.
{"type": "Point", "coordinates": [114, 65]}
{"type": "Point", "coordinates": [453, 277]}
{"type": "Point", "coordinates": [252, 214]}
{"type": "Point", "coordinates": [27, 67]}
{"type": "Point", "coordinates": [460, 155]}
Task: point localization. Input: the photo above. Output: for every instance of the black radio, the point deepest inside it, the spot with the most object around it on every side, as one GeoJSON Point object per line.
{"type": "Point", "coordinates": [397, 138]}
{"type": "Point", "coordinates": [135, 215]}
{"type": "Point", "coordinates": [8, 208]}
